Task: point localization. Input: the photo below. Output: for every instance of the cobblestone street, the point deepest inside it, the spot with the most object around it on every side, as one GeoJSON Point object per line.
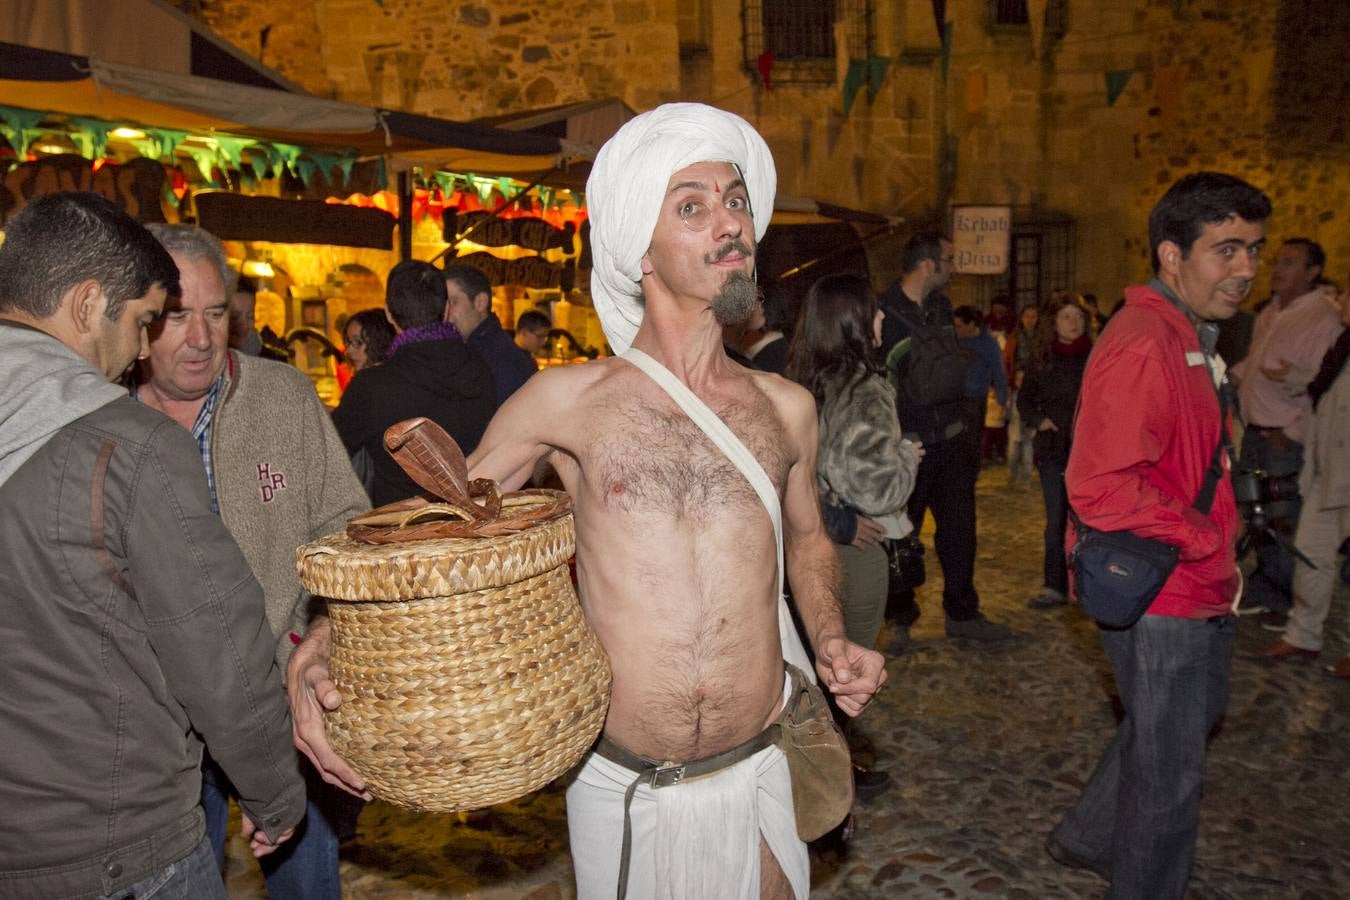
{"type": "Point", "coordinates": [986, 746]}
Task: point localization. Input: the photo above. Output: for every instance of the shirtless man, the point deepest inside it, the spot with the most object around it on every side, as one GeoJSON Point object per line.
{"type": "Point", "coordinates": [676, 555]}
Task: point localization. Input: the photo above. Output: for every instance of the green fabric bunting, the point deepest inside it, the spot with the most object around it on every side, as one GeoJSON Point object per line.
{"type": "Point", "coordinates": [19, 126]}
{"type": "Point", "coordinates": [306, 169]}
{"type": "Point", "coordinates": [204, 157]}
{"type": "Point", "coordinates": [165, 142]}
{"type": "Point", "coordinates": [345, 164]}
{"type": "Point", "coordinates": [258, 165]}
{"type": "Point", "coordinates": [857, 74]}
{"type": "Point", "coordinates": [230, 150]}
{"type": "Point", "coordinates": [1116, 80]}
{"type": "Point", "coordinates": [91, 135]}
{"type": "Point", "coordinates": [876, 75]}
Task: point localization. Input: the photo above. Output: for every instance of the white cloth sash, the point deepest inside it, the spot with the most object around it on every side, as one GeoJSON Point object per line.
{"type": "Point", "coordinates": [725, 440]}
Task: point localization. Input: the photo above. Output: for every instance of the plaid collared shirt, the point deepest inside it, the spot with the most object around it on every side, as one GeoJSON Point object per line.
{"type": "Point", "coordinates": [201, 430]}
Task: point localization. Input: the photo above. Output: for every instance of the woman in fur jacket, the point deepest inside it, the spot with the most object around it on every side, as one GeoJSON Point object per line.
{"type": "Point", "coordinates": [863, 464]}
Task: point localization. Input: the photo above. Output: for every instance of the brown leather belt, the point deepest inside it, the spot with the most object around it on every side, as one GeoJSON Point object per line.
{"type": "Point", "coordinates": [668, 774]}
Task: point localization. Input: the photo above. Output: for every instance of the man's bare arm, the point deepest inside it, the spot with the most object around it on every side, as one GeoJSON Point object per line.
{"type": "Point", "coordinates": [519, 434]}
{"type": "Point", "coordinates": [852, 673]}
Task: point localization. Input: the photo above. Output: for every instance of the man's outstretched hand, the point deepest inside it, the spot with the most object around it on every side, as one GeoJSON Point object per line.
{"type": "Point", "coordinates": [850, 672]}
{"type": "Point", "coordinates": [311, 692]}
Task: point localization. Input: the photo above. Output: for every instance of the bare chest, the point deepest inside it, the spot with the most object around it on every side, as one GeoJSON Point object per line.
{"type": "Point", "coordinates": [649, 457]}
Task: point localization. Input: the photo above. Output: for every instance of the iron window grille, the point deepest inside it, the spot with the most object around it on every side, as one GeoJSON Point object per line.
{"type": "Point", "coordinates": [1041, 260]}
{"type": "Point", "coordinates": [801, 36]}
{"type": "Point", "coordinates": [1013, 15]}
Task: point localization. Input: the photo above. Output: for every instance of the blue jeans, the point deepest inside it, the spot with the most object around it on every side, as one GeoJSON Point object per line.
{"type": "Point", "coordinates": [1140, 812]}
{"type": "Point", "coordinates": [303, 868]}
{"type": "Point", "coordinates": [1272, 584]}
{"type": "Point", "coordinates": [1056, 517]}
{"type": "Point", "coordinates": [191, 878]}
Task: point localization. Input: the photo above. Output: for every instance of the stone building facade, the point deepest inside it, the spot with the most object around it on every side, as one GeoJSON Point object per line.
{"type": "Point", "coordinates": [1076, 113]}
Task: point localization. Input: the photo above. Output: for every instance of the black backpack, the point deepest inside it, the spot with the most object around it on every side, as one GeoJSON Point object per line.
{"type": "Point", "coordinates": [927, 367]}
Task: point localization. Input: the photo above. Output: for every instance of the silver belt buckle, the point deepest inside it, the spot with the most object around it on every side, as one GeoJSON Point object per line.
{"type": "Point", "coordinates": [668, 775]}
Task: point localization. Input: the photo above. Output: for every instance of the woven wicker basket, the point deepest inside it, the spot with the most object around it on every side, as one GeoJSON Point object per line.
{"type": "Point", "coordinates": [469, 676]}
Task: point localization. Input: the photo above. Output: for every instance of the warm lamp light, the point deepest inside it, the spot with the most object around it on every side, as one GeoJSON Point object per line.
{"type": "Point", "coordinates": [257, 268]}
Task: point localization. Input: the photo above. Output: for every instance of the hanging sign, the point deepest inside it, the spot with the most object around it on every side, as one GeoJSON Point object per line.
{"type": "Point", "coordinates": [980, 239]}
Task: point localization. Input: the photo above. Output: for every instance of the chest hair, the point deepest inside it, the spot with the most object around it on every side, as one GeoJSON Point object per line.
{"type": "Point", "coordinates": [652, 458]}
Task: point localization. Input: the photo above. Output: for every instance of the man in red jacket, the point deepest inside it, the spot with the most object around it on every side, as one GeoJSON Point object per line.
{"type": "Point", "coordinates": [1147, 425]}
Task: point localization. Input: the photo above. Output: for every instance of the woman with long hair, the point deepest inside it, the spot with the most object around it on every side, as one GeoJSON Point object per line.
{"type": "Point", "coordinates": [1047, 401]}
{"type": "Point", "coordinates": [864, 464]}
{"type": "Point", "coordinates": [367, 336]}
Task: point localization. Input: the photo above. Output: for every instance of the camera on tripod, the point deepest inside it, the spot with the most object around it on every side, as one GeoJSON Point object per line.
{"type": "Point", "coordinates": [1269, 505]}
{"type": "Point", "coordinates": [1265, 498]}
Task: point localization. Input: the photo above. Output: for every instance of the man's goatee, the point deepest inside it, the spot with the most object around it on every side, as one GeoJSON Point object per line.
{"type": "Point", "coordinates": [735, 301]}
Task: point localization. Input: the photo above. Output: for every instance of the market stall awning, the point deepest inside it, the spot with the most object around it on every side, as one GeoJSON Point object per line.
{"type": "Point", "coordinates": [60, 84]}
{"type": "Point", "coordinates": [804, 211]}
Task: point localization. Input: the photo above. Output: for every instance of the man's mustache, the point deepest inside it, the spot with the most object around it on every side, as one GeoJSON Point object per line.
{"type": "Point", "coordinates": [729, 248]}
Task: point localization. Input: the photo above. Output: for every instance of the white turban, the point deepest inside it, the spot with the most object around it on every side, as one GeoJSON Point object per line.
{"type": "Point", "coordinates": [628, 185]}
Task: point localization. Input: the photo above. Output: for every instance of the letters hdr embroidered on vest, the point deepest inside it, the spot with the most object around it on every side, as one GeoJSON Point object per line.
{"type": "Point", "coordinates": [270, 481]}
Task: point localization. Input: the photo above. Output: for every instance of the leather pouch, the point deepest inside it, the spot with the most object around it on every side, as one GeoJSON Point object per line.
{"type": "Point", "coordinates": [818, 757]}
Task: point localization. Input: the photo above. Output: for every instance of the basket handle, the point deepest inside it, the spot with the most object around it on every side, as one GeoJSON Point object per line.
{"type": "Point", "coordinates": [431, 458]}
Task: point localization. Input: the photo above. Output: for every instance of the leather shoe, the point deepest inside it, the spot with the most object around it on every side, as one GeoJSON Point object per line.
{"type": "Point", "coordinates": [1340, 669]}
{"type": "Point", "coordinates": [1066, 857]}
{"type": "Point", "coordinates": [1282, 649]}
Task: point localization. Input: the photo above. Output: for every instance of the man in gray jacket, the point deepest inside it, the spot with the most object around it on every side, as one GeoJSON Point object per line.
{"type": "Point", "coordinates": [279, 477]}
{"type": "Point", "coordinates": [132, 628]}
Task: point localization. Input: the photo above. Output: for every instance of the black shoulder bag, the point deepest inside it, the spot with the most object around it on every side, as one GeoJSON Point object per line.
{"type": "Point", "coordinates": [1118, 573]}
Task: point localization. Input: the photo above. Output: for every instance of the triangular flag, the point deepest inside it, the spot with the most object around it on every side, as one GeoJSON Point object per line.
{"type": "Point", "coordinates": [876, 75]}
{"type": "Point", "coordinates": [1116, 80]}
{"type": "Point", "coordinates": [940, 18]}
{"type": "Point", "coordinates": [1036, 20]}
{"type": "Point", "coordinates": [857, 74]}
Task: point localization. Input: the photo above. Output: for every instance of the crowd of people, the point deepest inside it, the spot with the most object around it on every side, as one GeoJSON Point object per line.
{"type": "Point", "coordinates": [157, 474]}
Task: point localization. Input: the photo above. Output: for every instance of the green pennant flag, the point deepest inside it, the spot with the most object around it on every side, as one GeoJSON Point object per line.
{"type": "Point", "coordinates": [876, 75]}
{"type": "Point", "coordinates": [165, 141]}
{"type": "Point", "coordinates": [258, 165]}
{"type": "Point", "coordinates": [306, 168]}
{"type": "Point", "coordinates": [857, 74]}
{"type": "Point", "coordinates": [19, 127]}
{"type": "Point", "coordinates": [345, 165]}
{"type": "Point", "coordinates": [91, 135]}
{"type": "Point", "coordinates": [230, 150]}
{"type": "Point", "coordinates": [1116, 80]}
{"type": "Point", "coordinates": [326, 163]}
{"type": "Point", "coordinates": [204, 157]}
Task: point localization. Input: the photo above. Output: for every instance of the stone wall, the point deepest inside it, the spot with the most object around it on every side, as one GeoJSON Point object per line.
{"type": "Point", "coordinates": [1251, 88]}
{"type": "Point", "coordinates": [1259, 88]}
{"type": "Point", "coordinates": [464, 60]}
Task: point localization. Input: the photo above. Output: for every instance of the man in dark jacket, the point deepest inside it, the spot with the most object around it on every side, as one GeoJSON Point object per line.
{"type": "Point", "coordinates": [140, 633]}
{"type": "Point", "coordinates": [429, 372]}
{"type": "Point", "coordinates": [469, 308]}
{"type": "Point", "coordinates": [1149, 421]}
{"type": "Point", "coordinates": [932, 414]}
